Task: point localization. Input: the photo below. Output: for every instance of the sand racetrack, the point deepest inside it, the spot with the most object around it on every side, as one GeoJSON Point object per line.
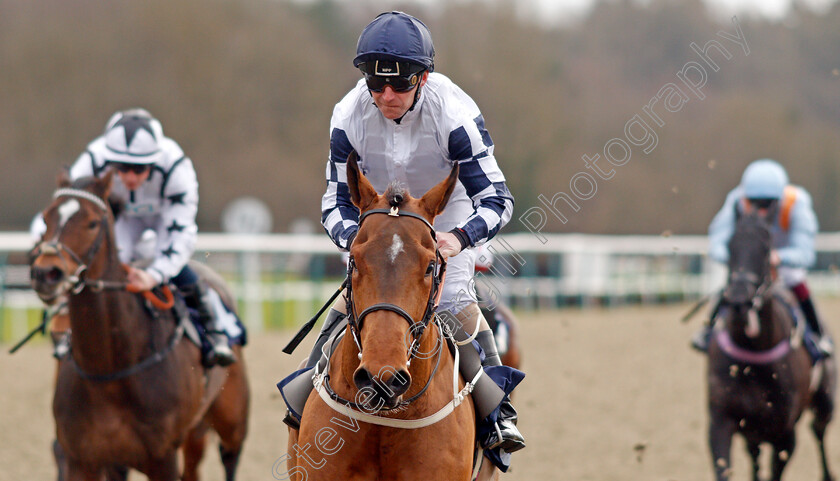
{"type": "Point", "coordinates": [611, 395]}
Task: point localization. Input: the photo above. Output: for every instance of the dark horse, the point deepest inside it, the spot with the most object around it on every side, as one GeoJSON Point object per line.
{"type": "Point", "coordinates": [133, 391]}
{"type": "Point", "coordinates": [388, 405]}
{"type": "Point", "coordinates": [760, 375]}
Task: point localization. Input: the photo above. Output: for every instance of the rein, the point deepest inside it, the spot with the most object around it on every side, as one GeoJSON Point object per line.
{"type": "Point", "coordinates": [150, 361]}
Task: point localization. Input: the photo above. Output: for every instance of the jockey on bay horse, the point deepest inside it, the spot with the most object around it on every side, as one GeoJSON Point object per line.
{"type": "Point", "coordinates": [158, 184]}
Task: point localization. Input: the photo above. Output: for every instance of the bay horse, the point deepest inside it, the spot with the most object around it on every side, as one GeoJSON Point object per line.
{"type": "Point", "coordinates": [132, 391]}
{"type": "Point", "coordinates": [760, 375]}
{"type": "Point", "coordinates": [390, 404]}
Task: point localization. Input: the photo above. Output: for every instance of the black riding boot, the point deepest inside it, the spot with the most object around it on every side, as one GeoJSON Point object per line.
{"type": "Point", "coordinates": [700, 340]}
{"type": "Point", "coordinates": [506, 436]}
{"type": "Point", "coordinates": [298, 390]}
{"type": "Point", "coordinates": [197, 296]}
{"type": "Point", "coordinates": [333, 319]}
{"type": "Point", "coordinates": [824, 342]}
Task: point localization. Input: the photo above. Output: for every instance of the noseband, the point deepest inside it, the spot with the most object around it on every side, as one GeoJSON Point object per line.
{"type": "Point", "coordinates": [417, 328]}
{"type": "Point", "coordinates": [762, 287]}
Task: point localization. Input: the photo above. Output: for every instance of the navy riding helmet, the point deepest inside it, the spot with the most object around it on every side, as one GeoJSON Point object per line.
{"type": "Point", "coordinates": [395, 37]}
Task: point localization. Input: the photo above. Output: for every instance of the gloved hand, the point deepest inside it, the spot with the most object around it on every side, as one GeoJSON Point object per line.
{"type": "Point", "coordinates": [141, 280]}
{"type": "Point", "coordinates": [448, 244]}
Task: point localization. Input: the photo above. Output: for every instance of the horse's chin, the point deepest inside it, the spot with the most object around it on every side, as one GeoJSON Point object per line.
{"type": "Point", "coordinates": [49, 295]}
{"type": "Point", "coordinates": [391, 402]}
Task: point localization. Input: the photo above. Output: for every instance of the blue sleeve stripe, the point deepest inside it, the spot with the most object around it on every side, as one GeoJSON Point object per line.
{"type": "Point", "coordinates": [497, 203]}
{"type": "Point", "coordinates": [342, 195]}
{"type": "Point", "coordinates": [340, 147]}
{"type": "Point", "coordinates": [476, 229]}
{"type": "Point", "coordinates": [333, 176]}
{"type": "Point", "coordinates": [492, 233]}
{"type": "Point", "coordinates": [347, 212]}
{"type": "Point", "coordinates": [460, 147]}
{"type": "Point", "coordinates": [335, 233]}
{"type": "Point", "coordinates": [483, 225]}
{"type": "Point", "coordinates": [473, 177]}
{"type": "Point", "coordinates": [485, 135]}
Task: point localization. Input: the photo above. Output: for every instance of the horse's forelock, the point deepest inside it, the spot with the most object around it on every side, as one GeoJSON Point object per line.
{"type": "Point", "coordinates": [751, 228]}
{"type": "Point", "coordinates": [750, 242]}
{"type": "Point", "coordinates": [396, 193]}
{"type": "Point", "coordinates": [83, 183]}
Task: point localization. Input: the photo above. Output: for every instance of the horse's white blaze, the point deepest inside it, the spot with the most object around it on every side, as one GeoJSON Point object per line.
{"type": "Point", "coordinates": [395, 249]}
{"type": "Point", "coordinates": [66, 211]}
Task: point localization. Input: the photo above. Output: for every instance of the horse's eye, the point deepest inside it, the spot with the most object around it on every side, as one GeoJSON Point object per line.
{"type": "Point", "coordinates": [93, 224]}
{"type": "Point", "coordinates": [430, 269]}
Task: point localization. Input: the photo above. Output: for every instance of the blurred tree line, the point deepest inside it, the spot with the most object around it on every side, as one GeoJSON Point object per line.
{"type": "Point", "coordinates": [247, 88]}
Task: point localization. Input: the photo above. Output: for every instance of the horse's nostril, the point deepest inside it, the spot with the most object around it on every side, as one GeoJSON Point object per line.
{"type": "Point", "coordinates": [362, 378]}
{"type": "Point", "coordinates": [399, 382]}
{"type": "Point", "coordinates": [49, 276]}
{"type": "Point", "coordinates": [54, 275]}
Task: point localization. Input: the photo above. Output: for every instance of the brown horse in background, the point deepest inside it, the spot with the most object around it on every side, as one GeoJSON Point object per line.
{"type": "Point", "coordinates": [132, 391]}
{"type": "Point", "coordinates": [388, 367]}
{"type": "Point", "coordinates": [760, 375]}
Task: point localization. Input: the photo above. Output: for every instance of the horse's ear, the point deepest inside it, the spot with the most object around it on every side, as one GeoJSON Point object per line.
{"type": "Point", "coordinates": [436, 198]}
{"type": "Point", "coordinates": [105, 184]}
{"type": "Point", "coordinates": [362, 192]}
{"type": "Point", "coordinates": [63, 178]}
{"type": "Point", "coordinates": [117, 204]}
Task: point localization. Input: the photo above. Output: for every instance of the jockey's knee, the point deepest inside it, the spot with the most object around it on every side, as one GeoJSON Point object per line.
{"type": "Point", "coordinates": [187, 277]}
{"type": "Point", "coordinates": [463, 322]}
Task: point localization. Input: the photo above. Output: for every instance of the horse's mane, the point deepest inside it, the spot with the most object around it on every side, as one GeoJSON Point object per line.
{"type": "Point", "coordinates": [396, 193]}
{"type": "Point", "coordinates": [82, 183]}
{"type": "Point", "coordinates": [750, 244]}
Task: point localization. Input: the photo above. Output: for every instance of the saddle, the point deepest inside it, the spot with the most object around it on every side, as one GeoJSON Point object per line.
{"type": "Point", "coordinates": [196, 332]}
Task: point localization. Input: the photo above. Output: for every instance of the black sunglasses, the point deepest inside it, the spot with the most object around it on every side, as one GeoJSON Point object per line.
{"type": "Point", "coordinates": [136, 168]}
{"type": "Point", "coordinates": [377, 83]}
{"type": "Point", "coordinates": [761, 203]}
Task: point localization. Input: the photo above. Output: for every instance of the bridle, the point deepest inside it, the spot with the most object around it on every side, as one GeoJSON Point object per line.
{"type": "Point", "coordinates": [362, 412]}
{"type": "Point", "coordinates": [417, 328]}
{"type": "Point", "coordinates": [76, 282]}
{"type": "Point", "coordinates": [751, 277]}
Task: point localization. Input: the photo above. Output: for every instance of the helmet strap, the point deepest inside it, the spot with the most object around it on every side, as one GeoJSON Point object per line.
{"type": "Point", "coordinates": [413, 104]}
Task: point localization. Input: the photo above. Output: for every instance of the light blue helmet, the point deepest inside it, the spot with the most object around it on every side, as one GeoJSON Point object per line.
{"type": "Point", "coordinates": [764, 179]}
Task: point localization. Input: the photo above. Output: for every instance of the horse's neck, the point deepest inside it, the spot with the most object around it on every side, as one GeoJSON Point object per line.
{"type": "Point", "coordinates": [110, 329]}
{"type": "Point", "coordinates": [774, 323]}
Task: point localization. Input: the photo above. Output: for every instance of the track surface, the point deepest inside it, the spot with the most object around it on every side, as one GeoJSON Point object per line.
{"type": "Point", "coordinates": [611, 395]}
